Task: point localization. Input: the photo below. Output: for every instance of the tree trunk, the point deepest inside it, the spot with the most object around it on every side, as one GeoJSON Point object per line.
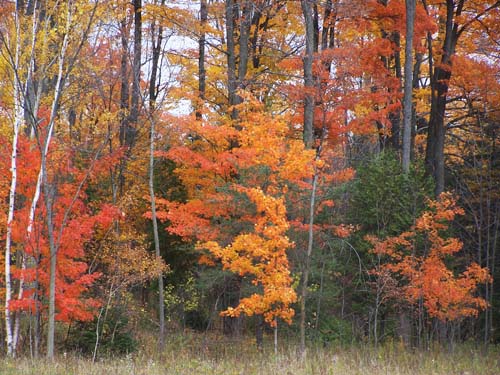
{"type": "Point", "coordinates": [43, 178]}
{"type": "Point", "coordinates": [307, 266]}
{"type": "Point", "coordinates": [202, 74]}
{"type": "Point", "coordinates": [124, 99]}
{"type": "Point", "coordinates": [155, 60]}
{"type": "Point", "coordinates": [152, 101]}
{"type": "Point", "coordinates": [434, 157]}
{"type": "Point", "coordinates": [416, 85]}
{"type": "Point", "coordinates": [308, 132]}
{"type": "Point", "coordinates": [49, 195]}
{"type": "Point", "coordinates": [244, 37]}
{"type": "Point", "coordinates": [408, 85]}
{"type": "Point", "coordinates": [259, 331]}
{"type": "Point", "coordinates": [18, 118]}
{"type": "Point", "coordinates": [312, 39]}
{"type": "Point", "coordinates": [231, 15]}
{"type": "Point", "coordinates": [135, 99]}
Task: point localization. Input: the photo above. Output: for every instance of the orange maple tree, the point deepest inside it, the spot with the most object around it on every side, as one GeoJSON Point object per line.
{"type": "Point", "coordinates": [419, 257]}
{"type": "Point", "coordinates": [237, 174]}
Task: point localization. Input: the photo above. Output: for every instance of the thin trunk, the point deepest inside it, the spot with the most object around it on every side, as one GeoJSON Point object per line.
{"type": "Point", "coordinates": [257, 26]}
{"type": "Point", "coordinates": [308, 136]}
{"type": "Point", "coordinates": [20, 105]}
{"type": "Point", "coordinates": [231, 14]}
{"type": "Point", "coordinates": [328, 24]}
{"type": "Point", "coordinates": [201, 59]}
{"type": "Point", "coordinates": [42, 177]}
{"type": "Point", "coordinates": [320, 295]}
{"type": "Point", "coordinates": [155, 60]}
{"type": "Point", "coordinates": [415, 85]}
{"type": "Point", "coordinates": [49, 193]}
{"type": "Point", "coordinates": [308, 132]}
{"type": "Point", "coordinates": [408, 84]}
{"type": "Point", "coordinates": [259, 331]}
{"type": "Point", "coordinates": [136, 77]}
{"type": "Point", "coordinates": [153, 93]}
{"type": "Point", "coordinates": [305, 274]}
{"type": "Point", "coordinates": [395, 116]}
{"type": "Point", "coordinates": [105, 310]}
{"type": "Point", "coordinates": [37, 314]}
{"type": "Point", "coordinates": [124, 101]}
{"type": "Point", "coordinates": [275, 337]}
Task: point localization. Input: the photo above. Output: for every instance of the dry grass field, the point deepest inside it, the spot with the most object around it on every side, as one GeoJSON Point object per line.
{"type": "Point", "coordinates": [186, 355]}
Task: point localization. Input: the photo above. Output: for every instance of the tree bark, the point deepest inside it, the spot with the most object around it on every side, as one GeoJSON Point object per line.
{"type": "Point", "coordinates": [307, 266]}
{"type": "Point", "coordinates": [202, 74]}
{"type": "Point", "coordinates": [312, 40]}
{"type": "Point", "coordinates": [408, 85]}
{"type": "Point", "coordinates": [231, 15]}
{"type": "Point", "coordinates": [124, 99]}
{"type": "Point", "coordinates": [43, 178]}
{"type": "Point", "coordinates": [308, 132]}
{"type": "Point", "coordinates": [135, 99]}
{"type": "Point", "coordinates": [244, 37]}
{"type": "Point", "coordinates": [153, 93]}
{"type": "Point", "coordinates": [434, 157]}
{"type": "Point", "coordinates": [18, 118]}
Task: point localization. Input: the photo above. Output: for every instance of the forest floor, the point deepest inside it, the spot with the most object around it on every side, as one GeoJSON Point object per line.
{"type": "Point", "coordinates": [188, 355]}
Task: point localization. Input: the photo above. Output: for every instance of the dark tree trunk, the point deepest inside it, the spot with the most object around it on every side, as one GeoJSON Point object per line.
{"type": "Point", "coordinates": [201, 59]}
{"type": "Point", "coordinates": [232, 290]}
{"type": "Point", "coordinates": [308, 132]}
{"type": "Point", "coordinates": [245, 24]}
{"type": "Point", "coordinates": [231, 16]}
{"type": "Point", "coordinates": [434, 157]}
{"type": "Point", "coordinates": [395, 117]}
{"type": "Point", "coordinates": [124, 98]}
{"type": "Point", "coordinates": [259, 331]}
{"type": "Point", "coordinates": [135, 101]}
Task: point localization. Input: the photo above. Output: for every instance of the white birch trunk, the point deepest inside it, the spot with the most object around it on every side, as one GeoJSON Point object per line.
{"type": "Point", "coordinates": [18, 120]}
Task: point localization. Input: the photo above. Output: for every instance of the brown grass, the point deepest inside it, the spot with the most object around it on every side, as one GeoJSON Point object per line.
{"type": "Point", "coordinates": [197, 355]}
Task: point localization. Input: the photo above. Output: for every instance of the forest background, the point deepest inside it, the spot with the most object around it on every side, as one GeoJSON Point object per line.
{"type": "Point", "coordinates": [316, 171]}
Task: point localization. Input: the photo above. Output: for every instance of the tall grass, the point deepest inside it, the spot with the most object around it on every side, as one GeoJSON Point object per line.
{"type": "Point", "coordinates": [194, 354]}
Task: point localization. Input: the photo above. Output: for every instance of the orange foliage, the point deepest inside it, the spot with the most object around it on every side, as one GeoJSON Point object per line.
{"type": "Point", "coordinates": [237, 174]}
{"type": "Point", "coordinates": [419, 257]}
{"type": "Point", "coordinates": [261, 254]}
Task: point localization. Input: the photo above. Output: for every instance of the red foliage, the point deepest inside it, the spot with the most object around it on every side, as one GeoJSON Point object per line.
{"type": "Point", "coordinates": [74, 225]}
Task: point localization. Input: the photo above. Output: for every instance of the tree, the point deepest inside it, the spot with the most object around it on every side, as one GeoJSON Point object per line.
{"type": "Point", "coordinates": [454, 24]}
{"type": "Point", "coordinates": [419, 256]}
{"type": "Point", "coordinates": [236, 199]}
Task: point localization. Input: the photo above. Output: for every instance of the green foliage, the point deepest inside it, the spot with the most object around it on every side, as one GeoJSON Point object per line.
{"type": "Point", "coordinates": [115, 336]}
{"type": "Point", "coordinates": [384, 200]}
{"type": "Point", "coordinates": [333, 330]}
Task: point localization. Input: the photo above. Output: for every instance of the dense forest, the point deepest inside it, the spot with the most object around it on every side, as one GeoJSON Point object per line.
{"type": "Point", "coordinates": [322, 172]}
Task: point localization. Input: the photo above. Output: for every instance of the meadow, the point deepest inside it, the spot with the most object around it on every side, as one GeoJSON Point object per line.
{"type": "Point", "coordinates": [191, 354]}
